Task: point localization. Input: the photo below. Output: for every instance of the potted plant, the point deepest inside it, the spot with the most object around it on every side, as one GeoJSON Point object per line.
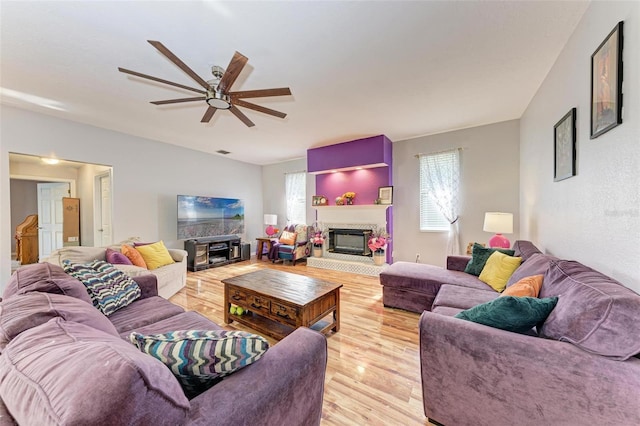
{"type": "Point", "coordinates": [378, 244]}
{"type": "Point", "coordinates": [349, 197]}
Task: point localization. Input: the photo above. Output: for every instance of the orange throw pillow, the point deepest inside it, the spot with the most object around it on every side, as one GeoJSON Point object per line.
{"type": "Point", "coordinates": [288, 238]}
{"type": "Point", "coordinates": [134, 256]}
{"type": "Point", "coordinates": [526, 287]}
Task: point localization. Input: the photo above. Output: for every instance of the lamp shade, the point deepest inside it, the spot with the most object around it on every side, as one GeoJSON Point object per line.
{"type": "Point", "coordinates": [270, 219]}
{"type": "Point", "coordinates": [500, 223]}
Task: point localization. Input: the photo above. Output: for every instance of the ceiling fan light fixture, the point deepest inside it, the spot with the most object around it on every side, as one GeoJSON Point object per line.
{"type": "Point", "coordinates": [218, 100]}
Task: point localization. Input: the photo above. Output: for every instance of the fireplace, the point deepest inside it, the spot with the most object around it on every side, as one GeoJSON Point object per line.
{"type": "Point", "coordinates": [349, 241]}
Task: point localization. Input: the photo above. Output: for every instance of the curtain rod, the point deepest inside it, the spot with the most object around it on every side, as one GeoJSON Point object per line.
{"type": "Point", "coordinates": [440, 152]}
{"type": "Point", "coordinates": [299, 171]}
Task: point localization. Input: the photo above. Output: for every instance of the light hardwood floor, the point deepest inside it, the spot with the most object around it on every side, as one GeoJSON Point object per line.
{"type": "Point", "coordinates": [373, 370]}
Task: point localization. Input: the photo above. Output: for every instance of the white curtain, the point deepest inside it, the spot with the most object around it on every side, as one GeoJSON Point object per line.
{"type": "Point", "coordinates": [295, 188]}
{"type": "Point", "coordinates": [443, 187]}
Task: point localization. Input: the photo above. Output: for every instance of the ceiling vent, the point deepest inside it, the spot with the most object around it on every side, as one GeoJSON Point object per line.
{"type": "Point", "coordinates": [223, 152]}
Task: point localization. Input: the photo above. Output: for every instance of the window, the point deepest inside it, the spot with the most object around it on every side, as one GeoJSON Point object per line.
{"type": "Point", "coordinates": [296, 189]}
{"type": "Point", "coordinates": [439, 187]}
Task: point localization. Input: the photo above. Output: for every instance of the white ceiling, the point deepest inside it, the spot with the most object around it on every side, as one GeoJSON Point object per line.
{"type": "Point", "coordinates": [356, 69]}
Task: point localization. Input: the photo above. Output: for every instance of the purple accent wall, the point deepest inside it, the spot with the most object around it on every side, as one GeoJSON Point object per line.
{"type": "Point", "coordinates": [360, 152]}
{"type": "Point", "coordinates": [365, 182]}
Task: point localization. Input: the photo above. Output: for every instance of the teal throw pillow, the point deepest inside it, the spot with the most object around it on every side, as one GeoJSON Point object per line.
{"type": "Point", "coordinates": [479, 257]}
{"type": "Point", "coordinates": [511, 313]}
{"type": "Point", "coordinates": [109, 288]}
{"type": "Point", "coordinates": [200, 358]}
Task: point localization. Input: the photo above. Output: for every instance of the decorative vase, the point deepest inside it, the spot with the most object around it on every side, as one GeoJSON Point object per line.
{"type": "Point", "coordinates": [349, 201]}
{"type": "Point", "coordinates": [379, 258]}
{"type": "Point", "coordinates": [317, 251]}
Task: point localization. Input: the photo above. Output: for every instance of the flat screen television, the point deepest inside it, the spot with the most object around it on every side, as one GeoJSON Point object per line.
{"type": "Point", "coordinates": [200, 217]}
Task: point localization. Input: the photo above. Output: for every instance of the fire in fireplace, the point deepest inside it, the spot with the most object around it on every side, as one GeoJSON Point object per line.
{"type": "Point", "coordinates": [349, 241]}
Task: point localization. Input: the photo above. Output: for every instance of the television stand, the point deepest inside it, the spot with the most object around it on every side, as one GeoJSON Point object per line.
{"type": "Point", "coordinates": [209, 252]}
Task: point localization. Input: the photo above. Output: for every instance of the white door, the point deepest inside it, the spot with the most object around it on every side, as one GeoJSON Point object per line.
{"type": "Point", "coordinates": [50, 216]}
{"type": "Point", "coordinates": [104, 234]}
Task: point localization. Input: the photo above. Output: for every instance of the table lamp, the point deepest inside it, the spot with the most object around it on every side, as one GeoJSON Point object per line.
{"type": "Point", "coordinates": [270, 220]}
{"type": "Point", "coordinates": [500, 223]}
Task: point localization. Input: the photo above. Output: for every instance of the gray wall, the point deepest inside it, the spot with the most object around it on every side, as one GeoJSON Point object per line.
{"type": "Point", "coordinates": [489, 173]}
{"type": "Point", "coordinates": [22, 206]}
{"type": "Point", "coordinates": [147, 176]}
{"type": "Point", "coordinates": [593, 217]}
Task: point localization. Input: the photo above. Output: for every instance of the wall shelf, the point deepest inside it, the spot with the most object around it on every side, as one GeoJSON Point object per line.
{"type": "Point", "coordinates": [356, 206]}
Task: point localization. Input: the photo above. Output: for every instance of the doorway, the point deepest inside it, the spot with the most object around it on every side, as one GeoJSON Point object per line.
{"type": "Point", "coordinates": [50, 217]}
{"type": "Point", "coordinates": [26, 171]}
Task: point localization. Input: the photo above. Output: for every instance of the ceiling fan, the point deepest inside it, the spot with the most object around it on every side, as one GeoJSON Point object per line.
{"type": "Point", "coordinates": [216, 92]}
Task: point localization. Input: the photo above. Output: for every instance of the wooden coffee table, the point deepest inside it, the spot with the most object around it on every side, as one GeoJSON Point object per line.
{"type": "Point", "coordinates": [279, 302]}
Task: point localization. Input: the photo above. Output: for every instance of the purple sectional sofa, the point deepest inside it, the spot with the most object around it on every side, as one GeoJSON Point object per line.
{"type": "Point", "coordinates": [581, 366]}
{"type": "Point", "coordinates": [64, 362]}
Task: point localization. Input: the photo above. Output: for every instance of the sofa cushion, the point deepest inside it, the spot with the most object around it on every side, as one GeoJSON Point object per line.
{"type": "Point", "coordinates": [77, 254]}
{"type": "Point", "coordinates": [498, 270]}
{"type": "Point", "coordinates": [525, 249]}
{"type": "Point", "coordinates": [189, 320]}
{"type": "Point", "coordinates": [455, 296]}
{"type": "Point", "coordinates": [116, 258]}
{"type": "Point", "coordinates": [109, 288]}
{"type": "Point", "coordinates": [427, 278]}
{"type": "Point", "coordinates": [46, 278]}
{"type": "Point", "coordinates": [63, 372]}
{"type": "Point", "coordinates": [517, 314]}
{"type": "Point", "coordinates": [479, 257]}
{"type": "Point", "coordinates": [134, 255]}
{"type": "Point", "coordinates": [536, 264]}
{"type": "Point", "coordinates": [143, 312]}
{"type": "Point", "coordinates": [526, 287]}
{"type": "Point", "coordinates": [199, 357]}
{"type": "Point", "coordinates": [30, 310]}
{"type": "Point", "coordinates": [155, 255]}
{"type": "Point", "coordinates": [594, 312]}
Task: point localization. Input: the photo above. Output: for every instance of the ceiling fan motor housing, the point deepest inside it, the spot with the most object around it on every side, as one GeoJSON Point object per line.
{"type": "Point", "coordinates": [218, 100]}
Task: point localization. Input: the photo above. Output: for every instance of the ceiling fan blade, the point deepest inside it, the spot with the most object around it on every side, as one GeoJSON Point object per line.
{"type": "Point", "coordinates": [173, 58]}
{"type": "Point", "coordinates": [281, 91]}
{"type": "Point", "coordinates": [159, 80]}
{"type": "Point", "coordinates": [176, 101]}
{"type": "Point", "coordinates": [231, 73]}
{"type": "Point", "coordinates": [241, 116]}
{"type": "Point", "coordinates": [240, 102]}
{"type": "Point", "coordinates": [208, 114]}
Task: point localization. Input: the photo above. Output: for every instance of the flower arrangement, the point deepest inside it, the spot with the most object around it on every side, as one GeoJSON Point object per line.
{"type": "Point", "coordinates": [349, 196]}
{"type": "Point", "coordinates": [318, 239]}
{"type": "Point", "coordinates": [378, 241]}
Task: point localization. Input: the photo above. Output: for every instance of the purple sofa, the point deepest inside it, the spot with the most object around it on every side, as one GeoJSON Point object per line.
{"type": "Point", "coordinates": [581, 366]}
{"type": "Point", "coordinates": [64, 362]}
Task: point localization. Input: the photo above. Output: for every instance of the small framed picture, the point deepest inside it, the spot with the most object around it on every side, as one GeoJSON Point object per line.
{"type": "Point", "coordinates": [385, 194]}
{"type": "Point", "coordinates": [606, 84]}
{"type": "Point", "coordinates": [564, 144]}
{"type": "Point", "coordinates": [319, 200]}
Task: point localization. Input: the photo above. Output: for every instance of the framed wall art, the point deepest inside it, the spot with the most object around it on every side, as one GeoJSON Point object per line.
{"type": "Point", "coordinates": [319, 200]}
{"type": "Point", "coordinates": [564, 146]}
{"type": "Point", "coordinates": [385, 194]}
{"type": "Point", "coordinates": [606, 83]}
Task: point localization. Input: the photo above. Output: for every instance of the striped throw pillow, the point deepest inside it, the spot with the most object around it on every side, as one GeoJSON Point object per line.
{"type": "Point", "coordinates": [200, 358]}
{"type": "Point", "coordinates": [109, 288]}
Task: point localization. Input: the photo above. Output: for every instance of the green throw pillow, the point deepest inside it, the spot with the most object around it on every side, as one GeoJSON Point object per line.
{"type": "Point", "coordinates": [200, 358]}
{"type": "Point", "coordinates": [518, 314]}
{"type": "Point", "coordinates": [479, 256]}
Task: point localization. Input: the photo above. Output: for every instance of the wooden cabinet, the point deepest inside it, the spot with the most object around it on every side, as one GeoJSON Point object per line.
{"type": "Point", "coordinates": [204, 253]}
{"type": "Point", "coordinates": [27, 240]}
